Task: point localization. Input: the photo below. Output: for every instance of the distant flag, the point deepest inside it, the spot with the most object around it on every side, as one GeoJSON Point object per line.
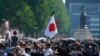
{"type": "Point", "coordinates": [51, 29]}
{"type": "Point", "coordinates": [15, 32]}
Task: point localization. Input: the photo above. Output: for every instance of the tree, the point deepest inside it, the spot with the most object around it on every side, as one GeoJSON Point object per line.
{"type": "Point", "coordinates": [34, 15]}
{"type": "Point", "coordinates": [43, 10]}
{"type": "Point", "coordinates": [19, 13]}
{"type": "Point", "coordinates": [61, 14]}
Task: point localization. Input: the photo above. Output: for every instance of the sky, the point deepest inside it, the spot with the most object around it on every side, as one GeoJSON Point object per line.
{"type": "Point", "coordinates": [63, 1]}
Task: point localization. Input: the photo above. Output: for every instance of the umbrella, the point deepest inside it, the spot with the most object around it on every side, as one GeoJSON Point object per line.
{"type": "Point", "coordinates": [71, 39]}
{"type": "Point", "coordinates": [41, 38]}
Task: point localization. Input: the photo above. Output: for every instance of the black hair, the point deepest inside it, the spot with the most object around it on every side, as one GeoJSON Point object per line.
{"type": "Point", "coordinates": [27, 50]}
{"type": "Point", "coordinates": [10, 54]}
{"type": "Point", "coordinates": [48, 44]}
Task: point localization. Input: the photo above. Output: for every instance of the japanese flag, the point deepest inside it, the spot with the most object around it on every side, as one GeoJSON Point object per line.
{"type": "Point", "coordinates": [15, 32]}
{"type": "Point", "coordinates": [51, 29]}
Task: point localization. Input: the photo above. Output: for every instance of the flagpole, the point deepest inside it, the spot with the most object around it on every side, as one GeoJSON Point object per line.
{"type": "Point", "coordinates": [52, 13]}
{"type": "Point", "coordinates": [49, 38]}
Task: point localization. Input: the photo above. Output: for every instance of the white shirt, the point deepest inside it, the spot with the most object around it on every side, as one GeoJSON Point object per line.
{"type": "Point", "coordinates": [26, 54]}
{"type": "Point", "coordinates": [48, 52]}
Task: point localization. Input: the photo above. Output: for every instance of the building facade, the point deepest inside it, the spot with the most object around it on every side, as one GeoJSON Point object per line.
{"type": "Point", "coordinates": [92, 9]}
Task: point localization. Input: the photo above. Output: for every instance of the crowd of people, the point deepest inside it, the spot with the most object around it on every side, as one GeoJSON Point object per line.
{"type": "Point", "coordinates": [51, 48]}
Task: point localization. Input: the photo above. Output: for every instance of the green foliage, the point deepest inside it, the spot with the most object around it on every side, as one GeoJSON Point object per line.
{"type": "Point", "coordinates": [19, 14]}
{"type": "Point", "coordinates": [34, 15]}
{"type": "Point", "coordinates": [43, 10]}
{"type": "Point", "coordinates": [61, 14]}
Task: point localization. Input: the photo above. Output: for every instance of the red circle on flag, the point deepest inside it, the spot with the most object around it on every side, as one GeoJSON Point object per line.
{"type": "Point", "coordinates": [14, 33]}
{"type": "Point", "coordinates": [52, 27]}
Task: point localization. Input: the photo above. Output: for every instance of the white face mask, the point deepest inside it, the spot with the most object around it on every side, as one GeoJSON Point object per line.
{"type": "Point", "coordinates": [44, 50]}
{"type": "Point", "coordinates": [22, 50]}
{"type": "Point", "coordinates": [90, 46]}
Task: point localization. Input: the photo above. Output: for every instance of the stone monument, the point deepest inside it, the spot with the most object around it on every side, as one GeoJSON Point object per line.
{"type": "Point", "coordinates": [82, 32]}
